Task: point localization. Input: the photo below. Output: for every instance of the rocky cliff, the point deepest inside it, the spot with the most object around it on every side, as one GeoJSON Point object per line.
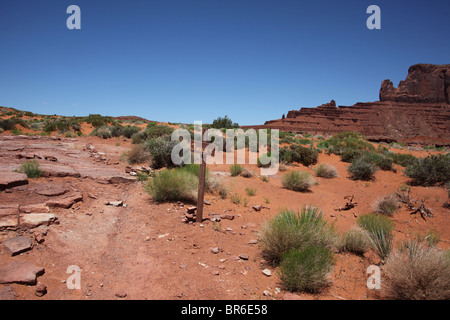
{"type": "Point", "coordinates": [417, 111]}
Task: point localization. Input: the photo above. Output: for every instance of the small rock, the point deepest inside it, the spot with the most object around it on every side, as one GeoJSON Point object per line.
{"type": "Point", "coordinates": [267, 272]}
{"type": "Point", "coordinates": [267, 293]}
{"type": "Point", "coordinates": [243, 256]}
{"type": "Point", "coordinates": [22, 272]}
{"type": "Point", "coordinates": [121, 294]}
{"type": "Point", "coordinates": [253, 241]}
{"type": "Point", "coordinates": [191, 209]}
{"type": "Point", "coordinates": [163, 235]}
{"type": "Point", "coordinates": [206, 202]}
{"type": "Point", "coordinates": [216, 250]}
{"type": "Point", "coordinates": [257, 207]}
{"type": "Point", "coordinates": [41, 289]}
{"type": "Point", "coordinates": [215, 272]}
{"type": "Point", "coordinates": [115, 203]}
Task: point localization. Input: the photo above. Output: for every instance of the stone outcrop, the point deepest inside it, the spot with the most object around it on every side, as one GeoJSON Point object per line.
{"type": "Point", "coordinates": [417, 111]}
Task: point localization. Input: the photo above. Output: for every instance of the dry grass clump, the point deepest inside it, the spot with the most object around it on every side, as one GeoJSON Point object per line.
{"type": "Point", "coordinates": [355, 240]}
{"type": "Point", "coordinates": [387, 205]}
{"type": "Point", "coordinates": [325, 171]}
{"type": "Point", "coordinates": [138, 154]}
{"type": "Point", "coordinates": [298, 181]}
{"type": "Point", "coordinates": [418, 273]}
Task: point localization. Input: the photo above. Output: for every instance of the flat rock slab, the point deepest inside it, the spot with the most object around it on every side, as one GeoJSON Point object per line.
{"type": "Point", "coordinates": [33, 220]}
{"type": "Point", "coordinates": [18, 245]}
{"type": "Point", "coordinates": [10, 179]}
{"type": "Point", "coordinates": [66, 201]}
{"type": "Point", "coordinates": [34, 208]}
{"type": "Point", "coordinates": [51, 189]}
{"type": "Point", "coordinates": [21, 272]}
{"type": "Point", "coordinates": [7, 293]}
{"type": "Point", "coordinates": [9, 216]}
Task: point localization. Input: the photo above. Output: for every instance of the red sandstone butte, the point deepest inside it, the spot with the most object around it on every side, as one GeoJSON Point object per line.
{"type": "Point", "coordinates": [418, 111]}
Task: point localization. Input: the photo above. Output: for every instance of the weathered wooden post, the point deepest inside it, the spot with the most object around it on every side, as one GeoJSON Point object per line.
{"type": "Point", "coordinates": [201, 188]}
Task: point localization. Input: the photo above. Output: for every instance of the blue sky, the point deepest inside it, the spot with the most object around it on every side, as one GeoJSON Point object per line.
{"type": "Point", "coordinates": [188, 60]}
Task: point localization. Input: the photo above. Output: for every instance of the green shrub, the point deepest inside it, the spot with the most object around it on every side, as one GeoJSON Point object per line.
{"type": "Point", "coordinates": [362, 169]}
{"type": "Point", "coordinates": [306, 269]}
{"type": "Point", "coordinates": [434, 169]}
{"type": "Point", "coordinates": [173, 185]}
{"type": "Point", "coordinates": [129, 131]}
{"type": "Point", "coordinates": [7, 124]}
{"type": "Point", "coordinates": [236, 198]}
{"type": "Point", "coordinates": [138, 154]}
{"type": "Point", "coordinates": [297, 181]}
{"type": "Point", "coordinates": [355, 240]}
{"type": "Point", "coordinates": [402, 159]}
{"type": "Point", "coordinates": [224, 122]}
{"type": "Point", "coordinates": [350, 155]}
{"type": "Point", "coordinates": [159, 131]}
{"type": "Point", "coordinates": [373, 222]}
{"type": "Point", "coordinates": [235, 170]}
{"type": "Point", "coordinates": [98, 121]}
{"type": "Point", "coordinates": [380, 231]}
{"type": "Point", "coordinates": [31, 169]}
{"type": "Point", "coordinates": [266, 159]}
{"type": "Point", "coordinates": [142, 176]}
{"type": "Point", "coordinates": [325, 171]}
{"type": "Point", "coordinates": [340, 142]}
{"type": "Point", "coordinates": [116, 131]}
{"type": "Point", "coordinates": [295, 230]}
{"type": "Point", "coordinates": [160, 150]}
{"type": "Point", "coordinates": [418, 273]}
{"type": "Point", "coordinates": [102, 132]}
{"type": "Point", "coordinates": [303, 155]}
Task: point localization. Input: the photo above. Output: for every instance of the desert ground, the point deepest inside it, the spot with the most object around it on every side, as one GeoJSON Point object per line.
{"type": "Point", "coordinates": [141, 249]}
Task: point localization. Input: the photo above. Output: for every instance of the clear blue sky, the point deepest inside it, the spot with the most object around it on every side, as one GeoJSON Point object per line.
{"type": "Point", "coordinates": [187, 60]}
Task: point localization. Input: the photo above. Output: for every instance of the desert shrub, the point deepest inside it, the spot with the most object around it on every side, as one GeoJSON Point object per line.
{"type": "Point", "coordinates": [138, 154]}
{"type": "Point", "coordinates": [1, 130]}
{"type": "Point", "coordinates": [102, 132]}
{"type": "Point", "coordinates": [160, 150]}
{"type": "Point", "coordinates": [224, 122]}
{"type": "Point", "coordinates": [306, 269]}
{"type": "Point", "coordinates": [340, 142]}
{"type": "Point", "coordinates": [295, 230]}
{"type": "Point", "coordinates": [402, 159]}
{"type": "Point", "coordinates": [36, 126]}
{"type": "Point", "coordinates": [303, 155]}
{"type": "Point", "coordinates": [139, 137]}
{"type": "Point", "coordinates": [382, 161]}
{"type": "Point", "coordinates": [417, 273]}
{"type": "Point", "coordinates": [430, 237]}
{"type": "Point", "coordinates": [15, 131]}
{"type": "Point", "coordinates": [349, 155]}
{"type": "Point", "coordinates": [355, 240]}
{"type": "Point", "coordinates": [362, 169]}
{"type": "Point", "coordinates": [387, 205]}
{"type": "Point", "coordinates": [380, 231]}
{"type": "Point", "coordinates": [7, 124]}
{"type": "Point", "coordinates": [434, 169]}
{"type": "Point", "coordinates": [129, 131]}
{"type": "Point", "coordinates": [373, 222]}
{"type": "Point", "coordinates": [70, 134]}
{"type": "Point", "coordinates": [97, 120]}
{"type": "Point", "coordinates": [159, 131]}
{"type": "Point", "coordinates": [325, 171]}
{"type": "Point", "coordinates": [297, 180]}
{"type": "Point", "coordinates": [235, 169]}
{"type": "Point", "coordinates": [116, 131]}
{"type": "Point", "coordinates": [303, 141]}
{"type": "Point", "coordinates": [172, 185]}
{"type": "Point", "coordinates": [31, 169]}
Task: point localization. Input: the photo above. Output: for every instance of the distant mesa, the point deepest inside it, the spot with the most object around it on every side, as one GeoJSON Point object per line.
{"type": "Point", "coordinates": [417, 111]}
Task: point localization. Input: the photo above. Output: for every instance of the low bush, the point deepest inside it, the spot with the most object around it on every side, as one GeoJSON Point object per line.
{"type": "Point", "coordinates": [297, 180]}
{"type": "Point", "coordinates": [355, 240]}
{"type": "Point", "coordinates": [306, 269]}
{"type": "Point", "coordinates": [434, 169]}
{"type": "Point", "coordinates": [362, 169]}
{"type": "Point", "coordinates": [138, 154]}
{"type": "Point", "coordinates": [417, 273]}
{"type": "Point", "coordinates": [303, 155]}
{"type": "Point", "coordinates": [129, 131]}
{"type": "Point", "coordinates": [173, 185]}
{"type": "Point", "coordinates": [380, 231]}
{"type": "Point", "coordinates": [102, 132]}
{"type": "Point", "coordinates": [325, 171]}
{"type": "Point", "coordinates": [402, 159]}
{"type": "Point", "coordinates": [250, 191]}
{"type": "Point", "coordinates": [160, 150]}
{"type": "Point", "coordinates": [31, 169]}
{"type": "Point", "coordinates": [295, 230]}
{"type": "Point", "coordinates": [387, 205]}
{"type": "Point", "coordinates": [158, 131]}
{"type": "Point", "coordinates": [235, 170]}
